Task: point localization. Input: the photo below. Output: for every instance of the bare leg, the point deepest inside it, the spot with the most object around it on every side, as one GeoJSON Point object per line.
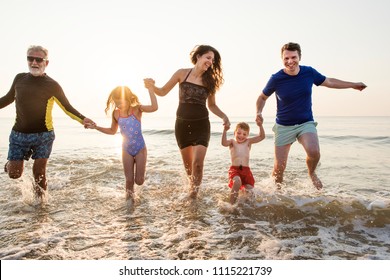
{"type": "Point", "coordinates": [199, 154]}
{"type": "Point", "coordinates": [311, 145]}
{"type": "Point", "coordinates": [280, 162]}
{"type": "Point", "coordinates": [235, 189]}
{"type": "Point", "coordinates": [140, 166]}
{"type": "Point", "coordinates": [39, 171]}
{"type": "Point", "coordinates": [187, 156]}
{"type": "Point", "coordinates": [14, 168]}
{"type": "Point", "coordinates": [193, 160]}
{"type": "Point", "coordinates": [128, 168]}
{"type": "Point", "coordinates": [249, 189]}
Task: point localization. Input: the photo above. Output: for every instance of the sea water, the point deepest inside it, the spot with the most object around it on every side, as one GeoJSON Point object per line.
{"type": "Point", "coordinates": [85, 215]}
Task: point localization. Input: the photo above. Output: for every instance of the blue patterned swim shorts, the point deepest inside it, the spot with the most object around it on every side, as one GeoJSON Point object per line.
{"type": "Point", "coordinates": [22, 146]}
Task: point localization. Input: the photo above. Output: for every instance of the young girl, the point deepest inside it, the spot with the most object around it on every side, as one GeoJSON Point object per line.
{"type": "Point", "coordinates": [127, 113]}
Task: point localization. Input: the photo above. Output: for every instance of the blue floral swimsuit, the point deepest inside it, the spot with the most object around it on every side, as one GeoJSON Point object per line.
{"type": "Point", "coordinates": [130, 128]}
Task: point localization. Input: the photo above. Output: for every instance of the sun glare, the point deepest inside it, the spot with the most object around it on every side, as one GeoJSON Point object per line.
{"type": "Point", "coordinates": [118, 144]}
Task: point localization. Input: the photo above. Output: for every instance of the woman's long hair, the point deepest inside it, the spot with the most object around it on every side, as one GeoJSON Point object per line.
{"type": "Point", "coordinates": [213, 78]}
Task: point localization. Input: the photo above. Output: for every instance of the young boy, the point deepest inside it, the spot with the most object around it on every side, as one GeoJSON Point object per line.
{"type": "Point", "coordinates": [240, 175]}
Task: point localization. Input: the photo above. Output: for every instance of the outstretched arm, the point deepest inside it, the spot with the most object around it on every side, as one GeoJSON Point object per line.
{"type": "Point", "coordinates": [10, 96]}
{"type": "Point", "coordinates": [259, 137]}
{"type": "Point", "coordinates": [87, 122]}
{"type": "Point", "coordinates": [150, 84]}
{"type": "Point", "coordinates": [153, 103]}
{"type": "Point", "coordinates": [224, 141]}
{"type": "Point", "coordinates": [107, 130]}
{"type": "Point", "coordinates": [260, 103]}
{"type": "Point", "coordinates": [339, 84]}
{"type": "Point", "coordinates": [216, 111]}
{"type": "Point", "coordinates": [7, 99]}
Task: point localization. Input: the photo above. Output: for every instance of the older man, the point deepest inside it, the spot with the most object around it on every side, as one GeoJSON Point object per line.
{"type": "Point", "coordinates": [32, 134]}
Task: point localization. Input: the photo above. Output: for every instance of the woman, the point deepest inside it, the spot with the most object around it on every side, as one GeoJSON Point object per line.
{"type": "Point", "coordinates": [192, 129]}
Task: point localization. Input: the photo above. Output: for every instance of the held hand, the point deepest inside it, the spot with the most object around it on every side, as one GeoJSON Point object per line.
{"type": "Point", "coordinates": [149, 83]}
{"type": "Point", "coordinates": [90, 126]}
{"type": "Point", "coordinates": [259, 119]}
{"type": "Point", "coordinates": [226, 123]}
{"type": "Point", "coordinates": [88, 123]}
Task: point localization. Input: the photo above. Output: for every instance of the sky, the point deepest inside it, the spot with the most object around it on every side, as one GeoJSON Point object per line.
{"type": "Point", "coordinates": [96, 45]}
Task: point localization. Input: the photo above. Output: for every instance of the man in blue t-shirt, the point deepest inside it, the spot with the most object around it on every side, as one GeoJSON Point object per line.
{"type": "Point", "coordinates": [294, 118]}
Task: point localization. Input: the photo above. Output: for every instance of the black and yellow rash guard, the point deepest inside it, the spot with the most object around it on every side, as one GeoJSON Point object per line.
{"type": "Point", "coordinates": [34, 99]}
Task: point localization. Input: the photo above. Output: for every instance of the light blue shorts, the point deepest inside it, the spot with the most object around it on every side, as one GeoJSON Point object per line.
{"type": "Point", "coordinates": [285, 135]}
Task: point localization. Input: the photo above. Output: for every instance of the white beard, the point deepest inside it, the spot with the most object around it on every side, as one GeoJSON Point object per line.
{"type": "Point", "coordinates": [36, 71]}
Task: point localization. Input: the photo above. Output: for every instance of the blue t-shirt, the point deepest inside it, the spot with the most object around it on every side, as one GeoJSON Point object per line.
{"type": "Point", "coordinates": [293, 94]}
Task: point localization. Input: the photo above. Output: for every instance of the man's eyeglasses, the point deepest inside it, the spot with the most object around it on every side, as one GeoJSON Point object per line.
{"type": "Point", "coordinates": [37, 59]}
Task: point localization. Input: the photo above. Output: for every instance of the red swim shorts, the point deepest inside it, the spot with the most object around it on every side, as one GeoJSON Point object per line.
{"type": "Point", "coordinates": [245, 174]}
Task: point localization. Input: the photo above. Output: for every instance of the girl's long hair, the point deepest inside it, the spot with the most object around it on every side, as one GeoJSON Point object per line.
{"type": "Point", "coordinates": [121, 92]}
{"type": "Point", "coordinates": [213, 78]}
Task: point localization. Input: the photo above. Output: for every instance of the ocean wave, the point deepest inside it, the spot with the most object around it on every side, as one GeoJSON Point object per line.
{"type": "Point", "coordinates": [357, 139]}
{"type": "Point", "coordinates": [216, 134]}
{"type": "Point", "coordinates": [322, 210]}
{"type": "Point", "coordinates": [331, 138]}
{"type": "Point", "coordinates": [158, 131]}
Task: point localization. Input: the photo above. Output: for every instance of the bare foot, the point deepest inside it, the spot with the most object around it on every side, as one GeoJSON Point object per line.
{"type": "Point", "coordinates": [278, 181]}
{"type": "Point", "coordinates": [316, 181]}
{"type": "Point", "coordinates": [193, 192]}
{"type": "Point", "coordinates": [129, 195]}
{"type": "Point", "coordinates": [38, 190]}
{"type": "Point", "coordinates": [40, 194]}
{"type": "Point", "coordinates": [250, 194]}
{"type": "Point", "coordinates": [278, 186]}
{"type": "Point", "coordinates": [233, 197]}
